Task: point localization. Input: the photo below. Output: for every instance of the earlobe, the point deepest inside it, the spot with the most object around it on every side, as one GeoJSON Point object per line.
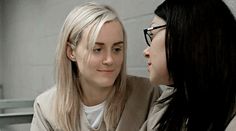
{"type": "Point", "coordinates": [70, 52]}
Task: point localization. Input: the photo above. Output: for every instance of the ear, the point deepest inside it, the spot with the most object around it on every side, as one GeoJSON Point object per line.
{"type": "Point", "coordinates": [70, 52]}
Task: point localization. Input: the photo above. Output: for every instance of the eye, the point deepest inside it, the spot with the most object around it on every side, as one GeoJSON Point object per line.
{"type": "Point", "coordinates": [151, 35]}
{"type": "Point", "coordinates": [117, 49]}
{"type": "Point", "coordinates": [97, 50]}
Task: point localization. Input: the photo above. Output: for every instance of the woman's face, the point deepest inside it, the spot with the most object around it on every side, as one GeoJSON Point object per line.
{"type": "Point", "coordinates": [156, 54]}
{"type": "Point", "coordinates": [105, 61]}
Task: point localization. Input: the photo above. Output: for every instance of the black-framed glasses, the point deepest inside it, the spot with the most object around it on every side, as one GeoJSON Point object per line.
{"type": "Point", "coordinates": [148, 34]}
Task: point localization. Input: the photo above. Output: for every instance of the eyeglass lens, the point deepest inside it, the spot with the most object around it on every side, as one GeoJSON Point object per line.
{"type": "Point", "coordinates": [148, 39]}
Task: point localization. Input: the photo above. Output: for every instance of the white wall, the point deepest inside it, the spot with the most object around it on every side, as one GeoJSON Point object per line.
{"type": "Point", "coordinates": [1, 53]}
{"type": "Point", "coordinates": [232, 5]}
{"type": "Point", "coordinates": [25, 45]}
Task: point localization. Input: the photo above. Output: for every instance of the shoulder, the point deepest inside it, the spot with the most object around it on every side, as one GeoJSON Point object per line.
{"type": "Point", "coordinates": [232, 125]}
{"type": "Point", "coordinates": [43, 113]}
{"type": "Point", "coordinates": [138, 82]}
{"type": "Point", "coordinates": [141, 88]}
{"type": "Point", "coordinates": [158, 108]}
{"type": "Point", "coordinates": [46, 97]}
{"type": "Point", "coordinates": [45, 101]}
{"type": "Point", "coordinates": [131, 78]}
{"type": "Point", "coordinates": [138, 104]}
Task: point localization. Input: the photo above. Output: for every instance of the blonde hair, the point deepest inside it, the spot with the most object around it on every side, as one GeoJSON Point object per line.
{"type": "Point", "coordinates": [69, 92]}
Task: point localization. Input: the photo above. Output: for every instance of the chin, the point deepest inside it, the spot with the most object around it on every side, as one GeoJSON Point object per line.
{"type": "Point", "coordinates": [152, 80]}
{"type": "Point", "coordinates": [106, 83]}
{"type": "Point", "coordinates": [155, 81]}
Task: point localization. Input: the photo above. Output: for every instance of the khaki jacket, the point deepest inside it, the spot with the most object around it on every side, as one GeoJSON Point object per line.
{"type": "Point", "coordinates": [135, 112]}
{"type": "Point", "coordinates": [151, 124]}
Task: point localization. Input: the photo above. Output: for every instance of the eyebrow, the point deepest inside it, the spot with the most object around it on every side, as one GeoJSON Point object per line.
{"type": "Point", "coordinates": [116, 43]}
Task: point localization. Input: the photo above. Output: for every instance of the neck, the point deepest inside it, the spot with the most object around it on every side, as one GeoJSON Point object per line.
{"type": "Point", "coordinates": [94, 95]}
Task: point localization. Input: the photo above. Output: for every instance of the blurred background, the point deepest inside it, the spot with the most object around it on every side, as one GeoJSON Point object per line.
{"type": "Point", "coordinates": [28, 37]}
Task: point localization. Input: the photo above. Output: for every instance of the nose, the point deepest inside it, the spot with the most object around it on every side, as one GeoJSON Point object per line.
{"type": "Point", "coordinates": [146, 52]}
{"type": "Point", "coordinates": [108, 60]}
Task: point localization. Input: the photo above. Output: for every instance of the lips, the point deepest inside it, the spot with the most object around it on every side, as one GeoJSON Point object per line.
{"type": "Point", "coordinates": [148, 66]}
{"type": "Point", "coordinates": [149, 63]}
{"type": "Point", "coordinates": [105, 70]}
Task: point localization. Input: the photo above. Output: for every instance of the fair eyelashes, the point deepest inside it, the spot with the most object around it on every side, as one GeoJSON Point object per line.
{"type": "Point", "coordinates": [116, 47]}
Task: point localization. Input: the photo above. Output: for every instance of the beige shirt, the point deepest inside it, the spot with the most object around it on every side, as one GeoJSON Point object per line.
{"type": "Point", "coordinates": [151, 124]}
{"type": "Point", "coordinates": [135, 112]}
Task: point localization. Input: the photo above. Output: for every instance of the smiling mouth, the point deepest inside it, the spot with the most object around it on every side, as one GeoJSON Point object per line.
{"type": "Point", "coordinates": [105, 70]}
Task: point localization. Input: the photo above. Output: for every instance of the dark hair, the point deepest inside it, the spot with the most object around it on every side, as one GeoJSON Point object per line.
{"type": "Point", "coordinates": [201, 60]}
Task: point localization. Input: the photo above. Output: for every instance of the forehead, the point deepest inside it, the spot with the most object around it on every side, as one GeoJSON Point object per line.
{"type": "Point", "coordinates": [113, 27]}
{"type": "Point", "coordinates": [158, 21]}
{"type": "Point", "coordinates": [111, 32]}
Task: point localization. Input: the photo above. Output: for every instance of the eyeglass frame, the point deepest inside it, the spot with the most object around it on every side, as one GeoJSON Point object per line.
{"type": "Point", "coordinates": [146, 30]}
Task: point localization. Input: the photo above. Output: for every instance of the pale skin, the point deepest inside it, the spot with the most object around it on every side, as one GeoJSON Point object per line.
{"type": "Point", "coordinates": [156, 55]}
{"type": "Point", "coordinates": [98, 73]}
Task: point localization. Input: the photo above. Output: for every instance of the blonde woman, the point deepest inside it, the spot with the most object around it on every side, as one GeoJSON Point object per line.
{"type": "Point", "coordinates": [93, 91]}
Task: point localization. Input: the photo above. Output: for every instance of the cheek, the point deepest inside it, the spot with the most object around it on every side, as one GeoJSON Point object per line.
{"type": "Point", "coordinates": [94, 60]}
{"type": "Point", "coordinates": [157, 50]}
{"type": "Point", "coordinates": [88, 62]}
{"type": "Point", "coordinates": [119, 60]}
{"type": "Point", "coordinates": [158, 57]}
